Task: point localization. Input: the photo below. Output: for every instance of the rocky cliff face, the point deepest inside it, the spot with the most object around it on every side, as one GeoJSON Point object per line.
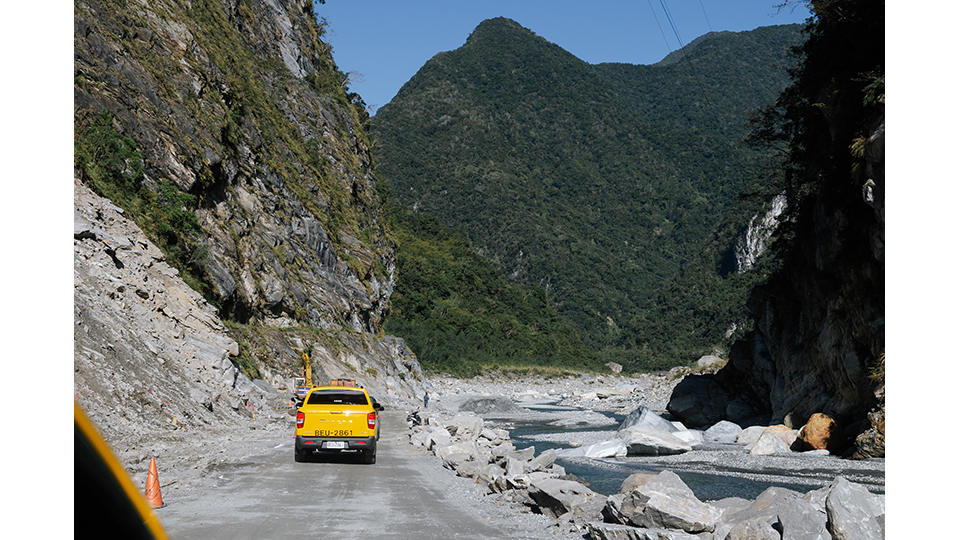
{"type": "Point", "coordinates": [757, 236]}
{"type": "Point", "coordinates": [819, 327]}
{"type": "Point", "coordinates": [151, 355]}
{"type": "Point", "coordinates": [238, 103]}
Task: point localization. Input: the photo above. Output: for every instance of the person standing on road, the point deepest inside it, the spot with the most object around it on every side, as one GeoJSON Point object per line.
{"type": "Point", "coordinates": [426, 399]}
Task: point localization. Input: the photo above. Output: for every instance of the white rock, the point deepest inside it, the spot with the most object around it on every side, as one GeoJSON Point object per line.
{"type": "Point", "coordinates": [648, 441]}
{"type": "Point", "coordinates": [611, 448]}
{"type": "Point", "coordinates": [769, 444]}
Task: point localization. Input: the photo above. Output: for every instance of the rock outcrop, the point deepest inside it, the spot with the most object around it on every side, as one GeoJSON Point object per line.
{"type": "Point", "coordinates": [819, 319]}
{"type": "Point", "coordinates": [239, 104]}
{"type": "Point", "coordinates": [152, 356]}
{"type": "Point", "coordinates": [819, 328]}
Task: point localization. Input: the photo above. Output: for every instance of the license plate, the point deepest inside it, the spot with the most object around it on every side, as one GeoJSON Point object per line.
{"type": "Point", "coordinates": [335, 445]}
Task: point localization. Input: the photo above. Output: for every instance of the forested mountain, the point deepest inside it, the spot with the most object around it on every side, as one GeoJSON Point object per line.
{"type": "Point", "coordinates": [460, 317]}
{"type": "Point", "coordinates": [818, 344]}
{"type": "Point", "coordinates": [611, 187]}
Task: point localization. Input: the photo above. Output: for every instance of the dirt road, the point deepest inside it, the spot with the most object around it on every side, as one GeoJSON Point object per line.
{"type": "Point", "coordinates": [406, 494]}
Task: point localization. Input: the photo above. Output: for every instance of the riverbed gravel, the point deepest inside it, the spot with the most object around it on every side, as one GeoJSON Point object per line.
{"type": "Point", "coordinates": [190, 462]}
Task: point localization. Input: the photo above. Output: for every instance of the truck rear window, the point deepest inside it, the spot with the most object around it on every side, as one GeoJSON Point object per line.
{"type": "Point", "coordinates": [337, 397]}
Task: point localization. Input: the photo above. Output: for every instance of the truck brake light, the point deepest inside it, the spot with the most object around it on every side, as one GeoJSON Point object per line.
{"type": "Point", "coordinates": [299, 419]}
{"type": "Point", "coordinates": [372, 420]}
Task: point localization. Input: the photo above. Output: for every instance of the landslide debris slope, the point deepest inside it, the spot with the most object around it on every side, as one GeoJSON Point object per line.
{"type": "Point", "coordinates": [244, 223]}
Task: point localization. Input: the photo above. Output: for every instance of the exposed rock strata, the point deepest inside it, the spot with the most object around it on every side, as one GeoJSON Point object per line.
{"type": "Point", "coordinates": [217, 96]}
{"type": "Point", "coordinates": [151, 356]}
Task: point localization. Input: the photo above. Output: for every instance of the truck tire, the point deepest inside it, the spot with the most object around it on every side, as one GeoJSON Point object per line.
{"type": "Point", "coordinates": [370, 457]}
{"type": "Point", "coordinates": [299, 456]}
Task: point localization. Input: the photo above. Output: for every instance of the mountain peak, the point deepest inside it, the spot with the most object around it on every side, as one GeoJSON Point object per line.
{"type": "Point", "coordinates": [495, 25]}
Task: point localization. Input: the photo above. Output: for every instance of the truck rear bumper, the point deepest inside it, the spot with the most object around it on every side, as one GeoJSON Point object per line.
{"type": "Point", "coordinates": [335, 444]}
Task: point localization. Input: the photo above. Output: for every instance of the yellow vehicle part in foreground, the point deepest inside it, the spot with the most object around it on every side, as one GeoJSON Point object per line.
{"type": "Point", "coordinates": [106, 503]}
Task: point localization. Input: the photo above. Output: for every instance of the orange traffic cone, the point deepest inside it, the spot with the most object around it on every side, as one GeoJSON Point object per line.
{"type": "Point", "coordinates": [152, 493]}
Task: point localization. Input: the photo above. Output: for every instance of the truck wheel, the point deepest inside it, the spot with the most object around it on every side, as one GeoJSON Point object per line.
{"type": "Point", "coordinates": [370, 457]}
{"type": "Point", "coordinates": [299, 456]}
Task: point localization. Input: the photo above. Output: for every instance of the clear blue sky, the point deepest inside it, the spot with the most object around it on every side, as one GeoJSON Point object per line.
{"type": "Point", "coordinates": [382, 43]}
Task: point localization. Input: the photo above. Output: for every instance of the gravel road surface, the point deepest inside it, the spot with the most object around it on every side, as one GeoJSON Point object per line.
{"type": "Point", "coordinates": [406, 494]}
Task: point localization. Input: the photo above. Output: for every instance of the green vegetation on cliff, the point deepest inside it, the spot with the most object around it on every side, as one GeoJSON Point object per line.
{"type": "Point", "coordinates": [203, 104]}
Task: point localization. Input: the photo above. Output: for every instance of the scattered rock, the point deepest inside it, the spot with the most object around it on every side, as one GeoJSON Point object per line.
{"type": "Point", "coordinates": [724, 432]}
{"type": "Point", "coordinates": [822, 432]}
{"type": "Point", "coordinates": [642, 416]}
{"type": "Point", "coordinates": [666, 502]}
{"type": "Point", "coordinates": [648, 441]}
{"type": "Point", "coordinates": [649, 506]}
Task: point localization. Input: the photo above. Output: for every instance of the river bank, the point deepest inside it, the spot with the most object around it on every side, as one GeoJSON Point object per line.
{"type": "Point", "coordinates": [558, 413]}
{"type": "Point", "coordinates": [532, 428]}
{"type": "Point", "coordinates": [536, 411]}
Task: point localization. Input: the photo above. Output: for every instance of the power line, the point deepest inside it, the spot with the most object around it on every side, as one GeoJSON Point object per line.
{"type": "Point", "coordinates": [705, 15]}
{"type": "Point", "coordinates": [665, 40]}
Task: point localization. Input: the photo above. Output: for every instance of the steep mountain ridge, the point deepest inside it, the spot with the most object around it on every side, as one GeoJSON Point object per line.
{"type": "Point", "coordinates": [237, 165]}
{"type": "Point", "coordinates": [239, 104]}
{"type": "Point", "coordinates": [546, 163]}
{"type": "Point", "coordinates": [721, 94]}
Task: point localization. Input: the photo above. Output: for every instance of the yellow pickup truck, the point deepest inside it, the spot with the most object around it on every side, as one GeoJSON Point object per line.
{"type": "Point", "coordinates": [337, 419]}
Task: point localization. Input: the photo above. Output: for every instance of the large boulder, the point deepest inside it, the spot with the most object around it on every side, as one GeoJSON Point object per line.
{"type": "Point", "coordinates": [469, 469]}
{"type": "Point", "coordinates": [556, 497]}
{"type": "Point", "coordinates": [642, 416]}
{"type": "Point", "coordinates": [439, 436]}
{"type": "Point", "coordinates": [503, 449]}
{"type": "Point", "coordinates": [822, 432]}
{"type": "Point", "coordinates": [766, 509]}
{"type": "Point", "coordinates": [724, 432]}
{"type": "Point", "coordinates": [465, 447]}
{"type": "Point", "coordinates": [665, 502]}
{"type": "Point", "coordinates": [491, 476]}
{"type": "Point", "coordinates": [802, 519]}
{"type": "Point", "coordinates": [611, 448]}
{"type": "Point", "coordinates": [769, 443]}
{"type": "Point", "coordinates": [466, 425]}
{"type": "Point", "coordinates": [750, 435]}
{"type": "Point", "coordinates": [543, 462]}
{"type": "Point", "coordinates": [853, 512]}
{"type": "Point", "coordinates": [513, 467]}
{"type": "Point", "coordinates": [778, 439]}
{"type": "Point", "coordinates": [647, 441]}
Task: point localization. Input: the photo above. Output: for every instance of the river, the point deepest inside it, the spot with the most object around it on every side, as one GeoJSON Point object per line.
{"type": "Point", "coordinates": [712, 471]}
